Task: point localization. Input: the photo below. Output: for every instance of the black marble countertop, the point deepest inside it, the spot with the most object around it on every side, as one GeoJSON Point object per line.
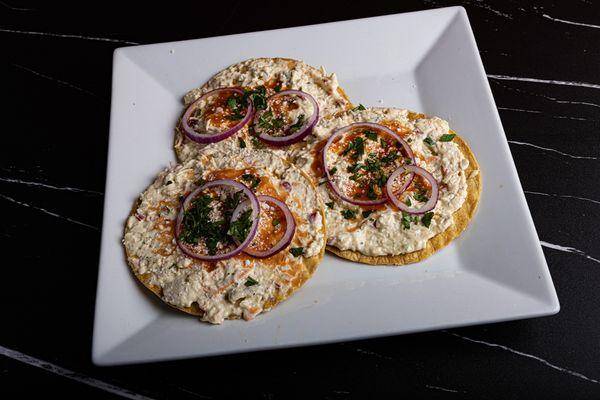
{"type": "Point", "coordinates": [543, 63]}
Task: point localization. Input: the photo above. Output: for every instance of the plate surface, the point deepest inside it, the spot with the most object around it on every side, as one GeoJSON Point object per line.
{"type": "Point", "coordinates": [427, 61]}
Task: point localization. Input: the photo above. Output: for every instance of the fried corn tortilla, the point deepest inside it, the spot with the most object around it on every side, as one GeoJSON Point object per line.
{"type": "Point", "coordinates": [242, 286]}
{"type": "Point", "coordinates": [274, 74]}
{"type": "Point", "coordinates": [383, 234]}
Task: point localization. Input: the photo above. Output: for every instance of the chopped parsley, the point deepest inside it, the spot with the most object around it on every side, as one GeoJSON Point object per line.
{"type": "Point", "coordinates": [296, 127]}
{"type": "Point", "coordinates": [419, 195]}
{"type": "Point", "coordinates": [232, 202]}
{"type": "Point", "coordinates": [330, 204]}
{"type": "Point", "coordinates": [447, 137]}
{"type": "Point", "coordinates": [232, 103]}
{"type": "Point", "coordinates": [353, 168]}
{"type": "Point", "coordinates": [197, 225]}
{"type": "Point", "coordinates": [391, 156]}
{"type": "Point", "coordinates": [408, 202]}
{"type": "Point", "coordinates": [406, 220]}
{"type": "Point", "coordinates": [372, 164]}
{"type": "Point", "coordinates": [371, 193]}
{"type": "Point", "coordinates": [200, 181]}
{"type": "Point", "coordinates": [239, 228]}
{"type": "Point", "coordinates": [234, 117]}
{"type": "Point", "coordinates": [277, 88]}
{"type": "Point", "coordinates": [429, 141]}
{"type": "Point", "coordinates": [359, 107]}
{"type": "Point", "coordinates": [384, 143]}
{"type": "Point", "coordinates": [366, 213]}
{"type": "Point", "coordinates": [266, 121]}
{"type": "Point", "coordinates": [250, 282]}
{"type": "Point", "coordinates": [253, 180]}
{"type": "Point", "coordinates": [257, 96]}
{"type": "Point", "coordinates": [348, 214]}
{"type": "Point", "coordinates": [297, 251]}
{"type": "Point", "coordinates": [426, 219]}
{"type": "Point", "coordinates": [257, 143]}
{"type": "Point", "coordinates": [333, 170]}
{"type": "Point", "coordinates": [242, 143]}
{"type": "Point", "coordinates": [357, 145]}
{"type": "Point", "coordinates": [275, 222]}
{"type": "Point", "coordinates": [371, 135]}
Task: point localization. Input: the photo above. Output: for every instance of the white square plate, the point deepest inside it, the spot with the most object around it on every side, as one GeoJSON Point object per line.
{"type": "Point", "coordinates": [426, 61]}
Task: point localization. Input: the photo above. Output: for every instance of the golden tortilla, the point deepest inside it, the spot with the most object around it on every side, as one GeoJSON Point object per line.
{"type": "Point", "coordinates": [308, 265]}
{"type": "Point", "coordinates": [461, 218]}
{"type": "Point", "coordinates": [180, 139]}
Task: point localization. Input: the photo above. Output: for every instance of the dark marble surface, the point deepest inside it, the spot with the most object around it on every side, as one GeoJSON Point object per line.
{"type": "Point", "coordinates": [543, 62]}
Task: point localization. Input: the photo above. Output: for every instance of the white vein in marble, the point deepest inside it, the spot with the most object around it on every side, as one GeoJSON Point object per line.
{"type": "Point", "coordinates": [65, 83]}
{"type": "Point", "coordinates": [564, 196]}
{"type": "Point", "coordinates": [49, 212]}
{"type": "Point", "coordinates": [69, 374]}
{"type": "Point", "coordinates": [553, 150]}
{"type": "Point", "coordinates": [547, 81]}
{"type": "Point", "coordinates": [68, 36]}
{"type": "Point", "coordinates": [531, 356]}
{"type": "Point", "coordinates": [564, 21]}
{"type": "Point", "coordinates": [568, 250]}
{"type": "Point", "coordinates": [48, 186]}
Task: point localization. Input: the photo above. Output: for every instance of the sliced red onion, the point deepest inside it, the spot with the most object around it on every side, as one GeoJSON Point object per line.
{"type": "Point", "coordinates": [347, 128]}
{"type": "Point", "coordinates": [290, 229]}
{"type": "Point", "coordinates": [204, 138]}
{"type": "Point", "coordinates": [433, 198]}
{"type": "Point", "coordinates": [251, 233]}
{"type": "Point", "coordinates": [301, 133]}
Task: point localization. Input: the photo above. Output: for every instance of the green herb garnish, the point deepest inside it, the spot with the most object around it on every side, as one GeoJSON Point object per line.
{"type": "Point", "coordinates": [197, 225]}
{"type": "Point", "coordinates": [366, 213]}
{"type": "Point", "coordinates": [277, 88]}
{"type": "Point", "coordinates": [297, 251]}
{"type": "Point", "coordinates": [348, 214]}
{"type": "Point", "coordinates": [253, 180]}
{"type": "Point", "coordinates": [250, 282]}
{"type": "Point", "coordinates": [232, 103]}
{"type": "Point", "coordinates": [296, 127]}
{"type": "Point", "coordinates": [371, 135]}
{"type": "Point", "coordinates": [357, 145]}
{"type": "Point", "coordinates": [359, 107]}
{"type": "Point", "coordinates": [426, 219]}
{"type": "Point", "coordinates": [420, 196]}
{"type": "Point", "coordinates": [266, 121]}
{"type": "Point", "coordinates": [275, 222]}
{"type": "Point", "coordinates": [371, 193]}
{"type": "Point", "coordinates": [240, 227]}
{"type": "Point", "coordinates": [257, 96]}
{"type": "Point", "coordinates": [330, 204]}
{"type": "Point", "coordinates": [408, 202]}
{"type": "Point", "coordinates": [257, 143]}
{"type": "Point", "coordinates": [234, 117]}
{"type": "Point", "coordinates": [333, 170]}
{"type": "Point", "coordinates": [391, 156]}
{"type": "Point", "coordinates": [429, 141]}
{"type": "Point", "coordinates": [447, 137]}
{"type": "Point", "coordinates": [242, 143]}
{"type": "Point", "coordinates": [406, 220]}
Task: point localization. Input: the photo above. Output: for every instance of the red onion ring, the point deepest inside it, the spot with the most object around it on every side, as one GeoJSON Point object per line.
{"type": "Point", "coordinates": [303, 131]}
{"type": "Point", "coordinates": [290, 229]}
{"type": "Point", "coordinates": [251, 233]}
{"type": "Point", "coordinates": [350, 127]}
{"type": "Point", "coordinates": [204, 138]}
{"type": "Point", "coordinates": [429, 205]}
